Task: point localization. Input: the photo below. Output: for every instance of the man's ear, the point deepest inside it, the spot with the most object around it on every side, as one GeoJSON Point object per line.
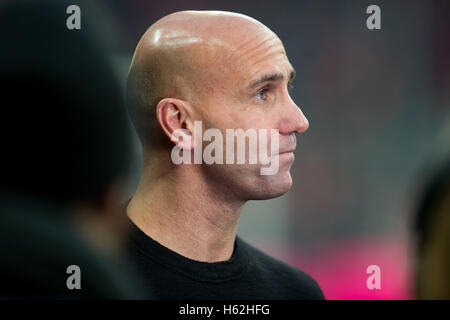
{"type": "Point", "coordinates": [174, 117]}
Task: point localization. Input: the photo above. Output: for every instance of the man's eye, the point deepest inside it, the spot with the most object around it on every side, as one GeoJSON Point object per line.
{"type": "Point", "coordinates": [262, 94]}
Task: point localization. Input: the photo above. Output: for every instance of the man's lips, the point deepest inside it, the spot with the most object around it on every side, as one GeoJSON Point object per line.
{"type": "Point", "coordinates": [287, 151]}
{"type": "Point", "coordinates": [289, 147]}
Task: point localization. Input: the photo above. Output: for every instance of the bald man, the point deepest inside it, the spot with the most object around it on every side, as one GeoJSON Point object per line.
{"type": "Point", "coordinates": [228, 71]}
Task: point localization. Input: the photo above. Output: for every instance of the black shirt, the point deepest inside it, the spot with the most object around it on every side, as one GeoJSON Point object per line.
{"type": "Point", "coordinates": [248, 274]}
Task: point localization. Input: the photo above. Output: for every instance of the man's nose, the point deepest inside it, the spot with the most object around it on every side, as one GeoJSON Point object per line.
{"type": "Point", "coordinates": [294, 121]}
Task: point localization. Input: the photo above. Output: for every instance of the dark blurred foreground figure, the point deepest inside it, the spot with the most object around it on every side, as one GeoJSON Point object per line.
{"type": "Point", "coordinates": [65, 152]}
{"type": "Point", "coordinates": [433, 231]}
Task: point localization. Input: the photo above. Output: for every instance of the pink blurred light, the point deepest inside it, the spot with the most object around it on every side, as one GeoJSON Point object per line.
{"type": "Point", "coordinates": [340, 268]}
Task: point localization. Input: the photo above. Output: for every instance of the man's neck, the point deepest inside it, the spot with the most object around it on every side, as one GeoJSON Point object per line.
{"type": "Point", "coordinates": [185, 214]}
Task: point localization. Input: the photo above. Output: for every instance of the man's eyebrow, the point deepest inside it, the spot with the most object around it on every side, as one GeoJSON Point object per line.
{"type": "Point", "coordinates": [272, 77]}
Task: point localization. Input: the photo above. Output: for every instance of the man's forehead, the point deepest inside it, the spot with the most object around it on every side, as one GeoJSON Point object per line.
{"type": "Point", "coordinates": [255, 63]}
{"type": "Point", "coordinates": [271, 63]}
{"type": "Point", "coordinates": [255, 55]}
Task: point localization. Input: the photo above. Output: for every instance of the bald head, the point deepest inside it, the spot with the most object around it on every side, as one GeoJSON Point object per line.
{"type": "Point", "coordinates": [188, 55]}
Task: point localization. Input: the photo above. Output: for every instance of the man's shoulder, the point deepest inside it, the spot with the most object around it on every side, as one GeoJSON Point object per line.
{"type": "Point", "coordinates": [282, 274]}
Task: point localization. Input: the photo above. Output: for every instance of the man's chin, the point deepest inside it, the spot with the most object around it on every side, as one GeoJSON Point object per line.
{"type": "Point", "coordinates": [274, 187]}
